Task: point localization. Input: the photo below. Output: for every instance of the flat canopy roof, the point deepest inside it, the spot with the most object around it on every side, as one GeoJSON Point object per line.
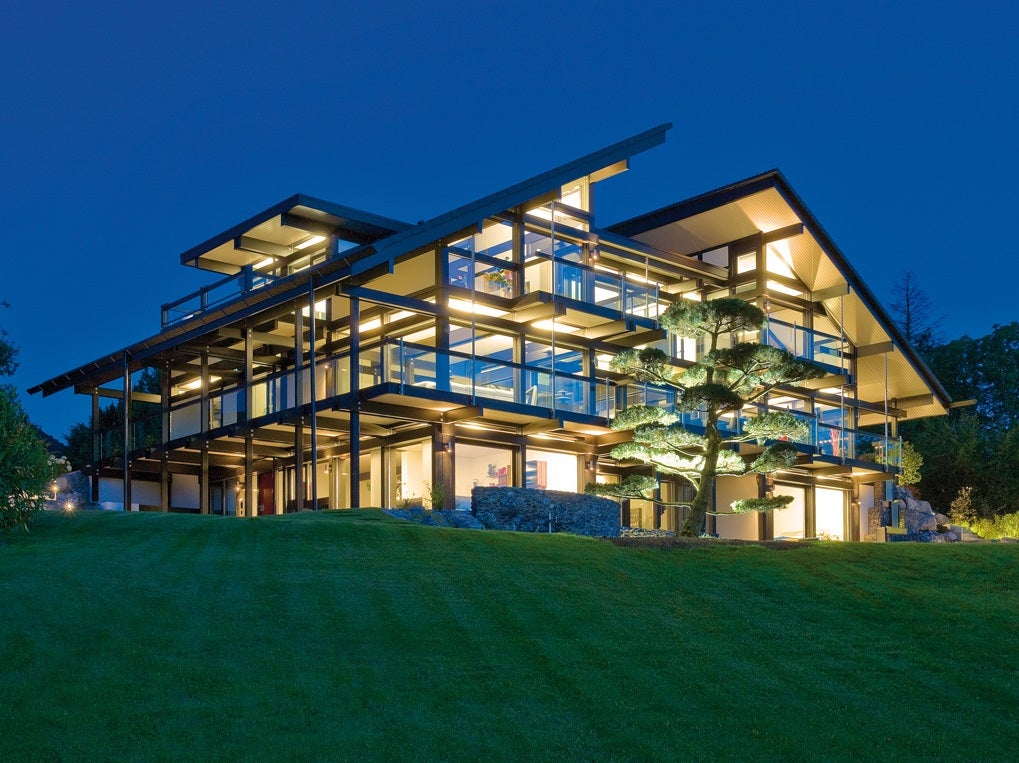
{"type": "Point", "coordinates": [294, 220]}
{"type": "Point", "coordinates": [280, 229]}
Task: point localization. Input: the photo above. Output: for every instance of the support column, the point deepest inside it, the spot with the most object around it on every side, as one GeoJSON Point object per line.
{"type": "Point", "coordinates": [355, 402]}
{"type": "Point", "coordinates": [809, 512]}
{"type": "Point", "coordinates": [590, 465]}
{"type": "Point", "coordinates": [249, 476]}
{"type": "Point", "coordinates": [164, 482]}
{"type": "Point", "coordinates": [164, 438]}
{"type": "Point", "coordinates": [96, 449]}
{"type": "Point", "coordinates": [386, 457]}
{"type": "Point", "coordinates": [312, 387]}
{"type": "Point", "coordinates": [443, 445]}
{"type": "Point", "coordinates": [203, 406]}
{"type": "Point", "coordinates": [126, 431]}
{"type": "Point", "coordinates": [250, 507]}
{"type": "Point", "coordinates": [442, 326]}
{"type": "Point", "coordinates": [519, 476]}
{"type": "Point", "coordinates": [298, 405]}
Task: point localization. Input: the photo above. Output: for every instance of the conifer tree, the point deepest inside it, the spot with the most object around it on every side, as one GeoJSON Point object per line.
{"type": "Point", "coordinates": [727, 377]}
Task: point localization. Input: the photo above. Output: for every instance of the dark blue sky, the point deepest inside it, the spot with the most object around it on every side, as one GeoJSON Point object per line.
{"type": "Point", "coordinates": [133, 131]}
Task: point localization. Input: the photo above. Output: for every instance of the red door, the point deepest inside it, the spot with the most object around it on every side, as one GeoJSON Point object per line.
{"type": "Point", "coordinates": [266, 494]}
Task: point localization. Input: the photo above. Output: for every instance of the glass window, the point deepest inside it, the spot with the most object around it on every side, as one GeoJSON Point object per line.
{"type": "Point", "coordinates": [829, 507]}
{"type": "Point", "coordinates": [481, 466]}
{"type": "Point", "coordinates": [546, 470]}
{"type": "Point", "coordinates": [789, 522]}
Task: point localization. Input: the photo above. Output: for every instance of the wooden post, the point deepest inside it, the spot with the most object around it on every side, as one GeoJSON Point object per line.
{"type": "Point", "coordinates": [126, 431]}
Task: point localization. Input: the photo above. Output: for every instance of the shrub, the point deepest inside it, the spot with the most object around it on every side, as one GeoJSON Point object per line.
{"type": "Point", "coordinates": [1003, 526]}
{"type": "Point", "coordinates": [961, 508]}
{"type": "Point", "coordinates": [25, 467]}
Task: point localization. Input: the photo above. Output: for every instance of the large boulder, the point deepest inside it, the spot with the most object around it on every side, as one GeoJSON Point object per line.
{"type": "Point", "coordinates": [531, 510]}
{"type": "Point", "coordinates": [920, 520]}
{"type": "Point", "coordinates": [920, 517]}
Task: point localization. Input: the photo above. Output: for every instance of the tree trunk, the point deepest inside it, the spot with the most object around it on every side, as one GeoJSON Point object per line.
{"type": "Point", "coordinates": [694, 524]}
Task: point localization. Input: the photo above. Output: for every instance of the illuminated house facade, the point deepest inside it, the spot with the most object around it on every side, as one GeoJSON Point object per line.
{"type": "Point", "coordinates": [347, 359]}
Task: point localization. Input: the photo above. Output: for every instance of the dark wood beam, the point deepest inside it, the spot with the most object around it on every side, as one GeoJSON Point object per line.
{"type": "Point", "coordinates": [463, 414]}
{"type": "Point", "coordinates": [914, 401]}
{"type": "Point", "coordinates": [878, 348]}
{"type": "Point", "coordinates": [116, 394]}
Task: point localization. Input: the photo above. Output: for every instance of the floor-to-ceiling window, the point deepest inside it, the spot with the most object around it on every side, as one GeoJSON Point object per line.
{"type": "Point", "coordinates": [830, 513]}
{"type": "Point", "coordinates": [480, 466]}
{"type": "Point", "coordinates": [546, 470]}
{"type": "Point", "coordinates": [411, 474]}
{"type": "Point", "coordinates": [790, 521]}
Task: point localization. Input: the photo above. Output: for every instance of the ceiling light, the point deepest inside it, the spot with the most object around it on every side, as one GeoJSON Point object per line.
{"type": "Point", "coordinates": [310, 242]}
{"type": "Point", "coordinates": [465, 306]}
{"type": "Point", "coordinates": [196, 383]}
{"type": "Point", "coordinates": [547, 324]}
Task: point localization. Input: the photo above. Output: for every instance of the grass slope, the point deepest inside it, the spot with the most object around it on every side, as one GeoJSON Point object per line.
{"type": "Point", "coordinates": [349, 635]}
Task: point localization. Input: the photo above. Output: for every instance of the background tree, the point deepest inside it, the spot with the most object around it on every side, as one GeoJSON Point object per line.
{"type": "Point", "coordinates": [8, 352]}
{"type": "Point", "coordinates": [25, 468]}
{"type": "Point", "coordinates": [78, 438]}
{"type": "Point", "coordinates": [975, 447]}
{"type": "Point", "coordinates": [722, 382]}
{"type": "Point", "coordinates": [915, 313]}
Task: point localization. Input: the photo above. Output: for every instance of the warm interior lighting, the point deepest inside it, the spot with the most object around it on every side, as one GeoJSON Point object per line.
{"type": "Point", "coordinates": [310, 242]}
{"type": "Point", "coordinates": [783, 289]}
{"type": "Point", "coordinates": [547, 324]}
{"type": "Point", "coordinates": [320, 309]}
{"type": "Point", "coordinates": [264, 263]}
{"type": "Point", "coordinates": [399, 315]}
{"type": "Point", "coordinates": [693, 296]}
{"type": "Point", "coordinates": [371, 325]}
{"type": "Point", "coordinates": [779, 259]}
{"type": "Point", "coordinates": [197, 383]}
{"type": "Point", "coordinates": [465, 306]}
{"type": "Point", "coordinates": [420, 336]}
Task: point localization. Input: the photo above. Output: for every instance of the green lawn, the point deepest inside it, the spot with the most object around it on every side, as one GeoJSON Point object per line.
{"type": "Point", "coordinates": [350, 635]}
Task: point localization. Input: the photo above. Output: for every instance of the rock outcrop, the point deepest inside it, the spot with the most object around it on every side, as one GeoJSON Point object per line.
{"type": "Point", "coordinates": [920, 521]}
{"type": "Point", "coordinates": [538, 511]}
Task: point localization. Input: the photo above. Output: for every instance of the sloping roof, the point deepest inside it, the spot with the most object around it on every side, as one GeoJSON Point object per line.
{"type": "Point", "coordinates": [396, 238]}
{"type": "Point", "coordinates": [773, 179]}
{"type": "Point", "coordinates": [471, 214]}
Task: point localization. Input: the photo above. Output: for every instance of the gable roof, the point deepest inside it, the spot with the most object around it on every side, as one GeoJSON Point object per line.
{"type": "Point", "coordinates": [774, 179]}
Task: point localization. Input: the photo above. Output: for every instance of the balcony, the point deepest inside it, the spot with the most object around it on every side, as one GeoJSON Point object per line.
{"type": "Point", "coordinates": [824, 349]}
{"type": "Point", "coordinates": [219, 293]}
{"type": "Point", "coordinates": [612, 290]}
{"type": "Point", "coordinates": [823, 439]}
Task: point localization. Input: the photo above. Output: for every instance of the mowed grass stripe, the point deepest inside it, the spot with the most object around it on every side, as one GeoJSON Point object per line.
{"type": "Point", "coordinates": [349, 635]}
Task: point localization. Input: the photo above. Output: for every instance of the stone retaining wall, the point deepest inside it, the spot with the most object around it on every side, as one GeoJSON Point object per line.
{"type": "Point", "coordinates": [530, 510]}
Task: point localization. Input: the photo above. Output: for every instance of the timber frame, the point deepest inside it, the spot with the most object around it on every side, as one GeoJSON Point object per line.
{"type": "Point", "coordinates": [336, 339]}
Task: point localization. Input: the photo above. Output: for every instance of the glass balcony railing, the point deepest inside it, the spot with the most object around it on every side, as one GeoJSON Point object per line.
{"type": "Point", "coordinates": [560, 275]}
{"type": "Point", "coordinates": [213, 295]}
{"type": "Point", "coordinates": [806, 343]}
{"type": "Point", "coordinates": [414, 366]}
{"type": "Point", "coordinates": [824, 439]}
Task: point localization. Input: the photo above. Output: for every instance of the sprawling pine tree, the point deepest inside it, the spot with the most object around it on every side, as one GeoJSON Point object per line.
{"type": "Point", "coordinates": [722, 382]}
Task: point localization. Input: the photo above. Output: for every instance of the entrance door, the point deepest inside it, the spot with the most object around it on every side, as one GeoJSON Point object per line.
{"type": "Point", "coordinates": [266, 493]}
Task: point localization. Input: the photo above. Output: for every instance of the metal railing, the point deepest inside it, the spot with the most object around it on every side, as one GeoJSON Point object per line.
{"type": "Point", "coordinates": [224, 290]}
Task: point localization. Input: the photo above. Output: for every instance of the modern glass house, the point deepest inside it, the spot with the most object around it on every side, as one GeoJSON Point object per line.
{"type": "Point", "coordinates": [347, 359]}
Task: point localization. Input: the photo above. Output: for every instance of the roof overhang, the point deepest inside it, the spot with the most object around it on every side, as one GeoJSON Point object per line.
{"type": "Point", "coordinates": [767, 203]}
{"type": "Point", "coordinates": [283, 228]}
